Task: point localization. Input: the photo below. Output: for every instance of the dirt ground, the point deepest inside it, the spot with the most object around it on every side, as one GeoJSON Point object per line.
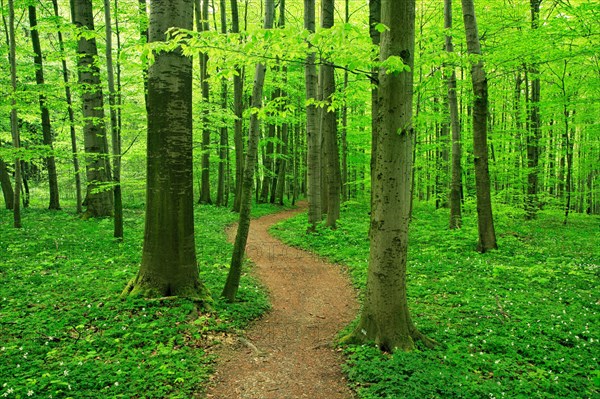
{"type": "Point", "coordinates": [289, 353]}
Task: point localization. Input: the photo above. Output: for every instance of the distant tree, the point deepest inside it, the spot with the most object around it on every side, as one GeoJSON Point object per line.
{"type": "Point", "coordinates": [99, 201]}
{"type": "Point", "coordinates": [202, 25]}
{"type": "Point", "coordinates": [6, 185]}
{"type": "Point", "coordinates": [385, 317]}
{"type": "Point", "coordinates": [485, 220]}
{"type": "Point", "coordinates": [14, 119]}
{"type": "Point", "coordinates": [238, 109]}
{"type": "Point", "coordinates": [169, 266]}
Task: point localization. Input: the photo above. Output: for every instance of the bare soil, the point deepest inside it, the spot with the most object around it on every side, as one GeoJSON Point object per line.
{"type": "Point", "coordinates": [288, 353]}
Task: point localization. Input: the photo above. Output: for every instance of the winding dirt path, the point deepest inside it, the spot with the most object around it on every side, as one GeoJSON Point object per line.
{"type": "Point", "coordinates": [288, 353]}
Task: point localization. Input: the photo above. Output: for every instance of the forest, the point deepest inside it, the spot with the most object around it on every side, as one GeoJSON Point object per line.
{"type": "Point", "coordinates": [300, 199]}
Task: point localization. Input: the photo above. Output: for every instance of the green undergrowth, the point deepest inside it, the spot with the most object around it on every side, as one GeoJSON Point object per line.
{"type": "Point", "coordinates": [519, 322]}
{"type": "Point", "coordinates": [64, 332]}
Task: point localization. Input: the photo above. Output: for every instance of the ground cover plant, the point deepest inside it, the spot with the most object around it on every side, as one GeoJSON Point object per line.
{"type": "Point", "coordinates": [64, 332]}
{"type": "Point", "coordinates": [520, 322]}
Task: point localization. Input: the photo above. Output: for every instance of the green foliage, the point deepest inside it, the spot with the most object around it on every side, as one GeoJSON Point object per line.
{"type": "Point", "coordinates": [65, 333]}
{"type": "Point", "coordinates": [520, 322]}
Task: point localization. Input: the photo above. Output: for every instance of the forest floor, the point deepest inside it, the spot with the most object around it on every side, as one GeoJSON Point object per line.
{"type": "Point", "coordinates": [289, 353]}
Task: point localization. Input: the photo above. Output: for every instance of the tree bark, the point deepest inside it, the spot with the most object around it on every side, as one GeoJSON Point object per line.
{"type": "Point", "coordinates": [238, 110]}
{"type": "Point", "coordinates": [456, 169]}
{"type": "Point", "coordinates": [73, 133]}
{"type": "Point", "coordinates": [535, 132]}
{"type": "Point", "coordinates": [313, 136]}
{"type": "Point", "coordinates": [223, 176]}
{"type": "Point", "coordinates": [235, 269]}
{"type": "Point", "coordinates": [385, 317]}
{"type": "Point", "coordinates": [202, 25]}
{"type": "Point", "coordinates": [331, 156]}
{"type": "Point", "coordinates": [7, 189]}
{"type": "Point", "coordinates": [169, 266]}
{"type": "Point", "coordinates": [99, 199]}
{"type": "Point", "coordinates": [54, 201]}
{"type": "Point", "coordinates": [485, 220]}
{"type": "Point", "coordinates": [14, 120]}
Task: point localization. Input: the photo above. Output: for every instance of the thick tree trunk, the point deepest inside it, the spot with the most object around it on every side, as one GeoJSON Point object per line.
{"type": "Point", "coordinates": [7, 189]}
{"type": "Point", "coordinates": [535, 132]}
{"type": "Point", "coordinates": [313, 136]}
{"type": "Point", "coordinates": [73, 133]}
{"type": "Point", "coordinates": [169, 266]}
{"type": "Point", "coordinates": [114, 127]}
{"type": "Point", "coordinates": [143, 12]}
{"type": "Point", "coordinates": [385, 317]}
{"type": "Point", "coordinates": [99, 200]}
{"type": "Point", "coordinates": [485, 220]}
{"type": "Point", "coordinates": [14, 120]}
{"type": "Point", "coordinates": [456, 169]}
{"type": "Point", "coordinates": [54, 202]}
{"type": "Point", "coordinates": [235, 269]}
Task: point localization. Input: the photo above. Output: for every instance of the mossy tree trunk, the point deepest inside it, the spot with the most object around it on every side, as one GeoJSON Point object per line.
{"type": "Point", "coordinates": [235, 269]}
{"type": "Point", "coordinates": [485, 220]}
{"type": "Point", "coordinates": [385, 317]}
{"type": "Point", "coordinates": [54, 201]}
{"type": "Point", "coordinates": [98, 199]}
{"type": "Point", "coordinates": [169, 266]}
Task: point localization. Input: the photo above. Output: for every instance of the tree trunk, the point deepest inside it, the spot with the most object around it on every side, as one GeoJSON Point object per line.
{"type": "Point", "coordinates": [65, 73]}
{"type": "Point", "coordinates": [143, 12]}
{"type": "Point", "coordinates": [535, 132]}
{"type": "Point", "coordinates": [202, 26]}
{"type": "Point", "coordinates": [54, 202]}
{"type": "Point", "coordinates": [385, 317]}
{"type": "Point", "coordinates": [313, 136]}
{"type": "Point", "coordinates": [169, 266]}
{"type": "Point", "coordinates": [238, 110]}
{"type": "Point", "coordinates": [5, 183]}
{"type": "Point", "coordinates": [282, 165]}
{"type": "Point", "coordinates": [456, 169]}
{"type": "Point", "coordinates": [485, 220]}
{"type": "Point", "coordinates": [114, 127]}
{"type": "Point", "coordinates": [235, 269]}
{"type": "Point", "coordinates": [14, 120]}
{"type": "Point", "coordinates": [331, 156]}
{"type": "Point", "coordinates": [223, 181]}
{"type": "Point", "coordinates": [99, 199]}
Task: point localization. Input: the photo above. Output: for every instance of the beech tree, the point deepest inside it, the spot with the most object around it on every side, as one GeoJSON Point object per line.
{"type": "Point", "coordinates": [385, 317]}
{"type": "Point", "coordinates": [98, 200]}
{"type": "Point", "coordinates": [169, 266]}
{"type": "Point", "coordinates": [54, 201]}
{"type": "Point", "coordinates": [485, 220]}
{"type": "Point", "coordinates": [241, 238]}
{"type": "Point", "coordinates": [14, 119]}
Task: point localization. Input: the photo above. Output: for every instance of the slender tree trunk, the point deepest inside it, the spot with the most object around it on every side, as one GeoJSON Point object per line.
{"type": "Point", "coordinates": [282, 165]}
{"type": "Point", "coordinates": [235, 270]}
{"type": "Point", "coordinates": [344, 133]}
{"type": "Point", "coordinates": [568, 142]}
{"type": "Point", "coordinates": [313, 136]}
{"type": "Point", "coordinates": [456, 169]}
{"type": "Point", "coordinates": [14, 119]}
{"type": "Point", "coordinates": [5, 183]}
{"type": "Point", "coordinates": [331, 156]}
{"type": "Point", "coordinates": [223, 182]}
{"type": "Point", "coordinates": [46, 126]}
{"type": "Point", "coordinates": [485, 220]}
{"type": "Point", "coordinates": [99, 199]}
{"type": "Point", "coordinates": [535, 132]}
{"type": "Point", "coordinates": [385, 317]}
{"type": "Point", "coordinates": [238, 109]}
{"type": "Point", "coordinates": [114, 126]}
{"type": "Point", "coordinates": [73, 133]}
{"type": "Point", "coordinates": [268, 155]}
{"type": "Point", "coordinates": [202, 25]}
{"type": "Point", "coordinates": [169, 266]}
